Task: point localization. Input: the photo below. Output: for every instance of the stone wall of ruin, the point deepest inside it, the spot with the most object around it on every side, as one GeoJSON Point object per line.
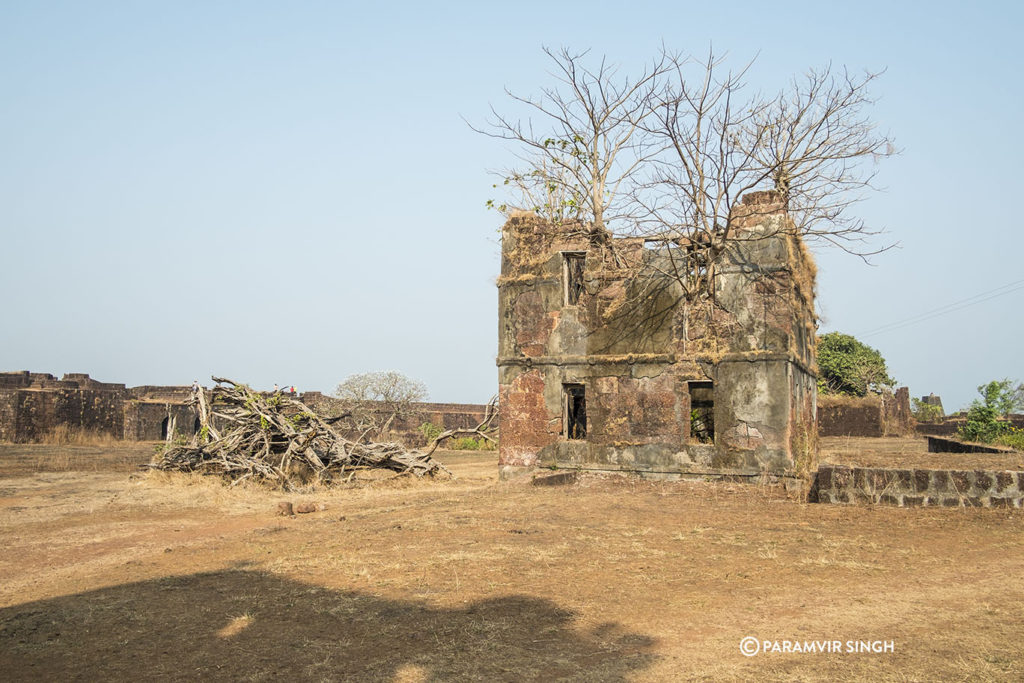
{"type": "Point", "coordinates": [917, 487]}
{"type": "Point", "coordinates": [952, 424]}
{"type": "Point", "coordinates": [33, 404]}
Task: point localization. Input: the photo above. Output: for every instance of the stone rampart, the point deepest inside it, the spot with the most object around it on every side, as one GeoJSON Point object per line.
{"type": "Point", "coordinates": [33, 404]}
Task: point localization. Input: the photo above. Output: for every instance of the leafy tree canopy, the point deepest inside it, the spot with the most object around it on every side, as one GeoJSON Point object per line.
{"type": "Point", "coordinates": [848, 366]}
{"type": "Point", "coordinates": [1001, 396]}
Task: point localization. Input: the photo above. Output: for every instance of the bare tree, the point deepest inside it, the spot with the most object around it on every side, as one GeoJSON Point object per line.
{"type": "Point", "coordinates": [669, 155]}
{"type": "Point", "coordinates": [580, 159]}
{"type": "Point", "coordinates": [706, 163]}
{"type": "Point", "coordinates": [376, 400]}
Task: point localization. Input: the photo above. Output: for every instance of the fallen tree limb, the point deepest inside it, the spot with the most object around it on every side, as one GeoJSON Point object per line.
{"type": "Point", "coordinates": [486, 429]}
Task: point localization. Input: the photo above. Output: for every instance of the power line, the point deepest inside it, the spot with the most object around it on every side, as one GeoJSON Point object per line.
{"type": "Point", "coordinates": [949, 308]}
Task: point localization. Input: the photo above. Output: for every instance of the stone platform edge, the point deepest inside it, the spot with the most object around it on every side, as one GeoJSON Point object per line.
{"type": "Point", "coordinates": [917, 487]}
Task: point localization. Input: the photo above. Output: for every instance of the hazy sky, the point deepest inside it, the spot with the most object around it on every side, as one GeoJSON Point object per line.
{"type": "Point", "coordinates": [287, 192]}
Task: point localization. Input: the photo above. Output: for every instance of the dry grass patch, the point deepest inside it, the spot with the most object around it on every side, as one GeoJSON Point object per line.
{"type": "Point", "coordinates": [65, 435]}
{"type": "Point", "coordinates": [611, 579]}
{"type": "Point", "coordinates": [906, 452]}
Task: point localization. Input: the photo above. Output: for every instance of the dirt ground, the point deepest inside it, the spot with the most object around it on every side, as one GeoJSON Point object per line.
{"type": "Point", "coordinates": [110, 575]}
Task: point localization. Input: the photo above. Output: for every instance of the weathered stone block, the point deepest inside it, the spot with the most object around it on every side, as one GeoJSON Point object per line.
{"type": "Point", "coordinates": [961, 481]}
{"type": "Point", "coordinates": [854, 497]}
{"type": "Point", "coordinates": [940, 481]}
{"type": "Point", "coordinates": [557, 479]}
{"type": "Point", "coordinates": [913, 501]}
{"type": "Point", "coordinates": [823, 479]}
{"type": "Point", "coordinates": [841, 477]}
{"type": "Point", "coordinates": [922, 480]}
{"type": "Point", "coordinates": [889, 499]}
{"type": "Point", "coordinates": [1004, 481]}
{"type": "Point", "coordinates": [982, 481]}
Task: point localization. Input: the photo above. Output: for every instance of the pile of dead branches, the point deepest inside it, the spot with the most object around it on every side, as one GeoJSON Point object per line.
{"type": "Point", "coordinates": [277, 440]}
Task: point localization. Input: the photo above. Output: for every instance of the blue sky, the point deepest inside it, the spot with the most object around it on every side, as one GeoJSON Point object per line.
{"type": "Point", "coordinates": [288, 192]}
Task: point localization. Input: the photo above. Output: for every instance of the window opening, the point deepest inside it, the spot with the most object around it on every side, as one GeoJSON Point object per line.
{"type": "Point", "coordinates": [575, 411]}
{"type": "Point", "coordinates": [696, 262]}
{"type": "Point", "coordinates": [573, 267]}
{"type": "Point", "coordinates": [702, 412]}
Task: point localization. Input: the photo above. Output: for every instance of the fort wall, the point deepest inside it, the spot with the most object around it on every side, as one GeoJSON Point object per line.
{"type": "Point", "coordinates": [873, 415]}
{"type": "Point", "coordinates": [33, 405]}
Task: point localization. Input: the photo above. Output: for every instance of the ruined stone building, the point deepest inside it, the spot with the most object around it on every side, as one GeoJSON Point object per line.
{"type": "Point", "coordinates": [605, 366]}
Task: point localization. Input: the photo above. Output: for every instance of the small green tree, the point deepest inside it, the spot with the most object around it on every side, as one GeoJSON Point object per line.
{"type": "Point", "coordinates": [999, 399]}
{"type": "Point", "coordinates": [848, 366]}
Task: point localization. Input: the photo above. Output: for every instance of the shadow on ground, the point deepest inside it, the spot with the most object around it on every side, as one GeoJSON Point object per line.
{"type": "Point", "coordinates": [243, 624]}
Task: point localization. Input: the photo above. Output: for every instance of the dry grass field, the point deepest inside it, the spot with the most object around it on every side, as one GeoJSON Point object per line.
{"type": "Point", "coordinates": [110, 575]}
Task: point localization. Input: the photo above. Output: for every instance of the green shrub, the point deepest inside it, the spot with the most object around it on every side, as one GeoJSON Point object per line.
{"type": "Point", "coordinates": [430, 431]}
{"type": "Point", "coordinates": [982, 424]}
{"type": "Point", "coordinates": [1000, 397]}
{"type": "Point", "coordinates": [925, 412]}
{"type": "Point", "coordinates": [1013, 437]}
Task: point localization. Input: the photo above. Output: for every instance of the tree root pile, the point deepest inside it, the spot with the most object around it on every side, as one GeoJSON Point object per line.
{"type": "Point", "coordinates": [278, 441]}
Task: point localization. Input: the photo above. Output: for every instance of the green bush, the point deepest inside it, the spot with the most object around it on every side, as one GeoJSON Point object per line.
{"type": "Point", "coordinates": [1013, 437]}
{"type": "Point", "coordinates": [925, 412]}
{"type": "Point", "coordinates": [982, 424]}
{"type": "Point", "coordinates": [430, 431]}
{"type": "Point", "coordinates": [999, 398]}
